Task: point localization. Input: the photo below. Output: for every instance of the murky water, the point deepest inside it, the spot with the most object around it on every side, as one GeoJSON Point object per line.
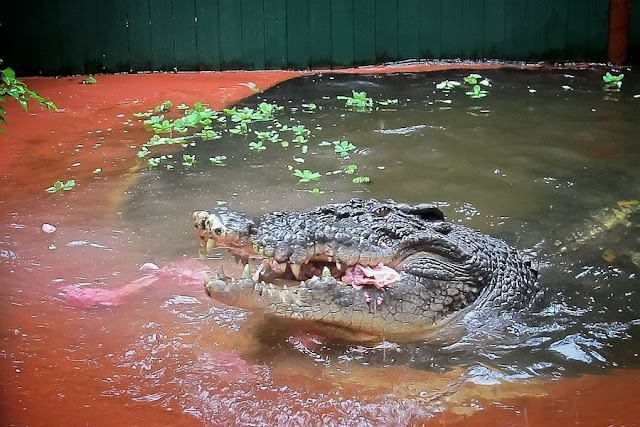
{"type": "Point", "coordinates": [545, 168]}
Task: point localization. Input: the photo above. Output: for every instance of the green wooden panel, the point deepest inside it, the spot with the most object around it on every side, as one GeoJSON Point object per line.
{"type": "Point", "coordinates": [577, 17]}
{"type": "Point", "coordinates": [93, 59]}
{"type": "Point", "coordinates": [253, 34]}
{"type": "Point", "coordinates": [230, 35]}
{"type": "Point", "coordinates": [185, 34]}
{"type": "Point", "coordinates": [9, 32]}
{"type": "Point", "coordinates": [72, 36]}
{"type": "Point", "coordinates": [494, 29]}
{"type": "Point", "coordinates": [139, 35]}
{"type": "Point", "coordinates": [275, 34]}
{"type": "Point", "coordinates": [298, 51]}
{"type": "Point", "coordinates": [320, 32]}
{"type": "Point", "coordinates": [515, 30]}
{"type": "Point", "coordinates": [364, 33]}
{"type": "Point", "coordinates": [113, 35]}
{"type": "Point", "coordinates": [162, 41]}
{"type": "Point", "coordinates": [344, 34]}
{"type": "Point", "coordinates": [430, 28]}
{"type": "Point", "coordinates": [536, 24]}
{"type": "Point", "coordinates": [451, 29]}
{"type": "Point", "coordinates": [38, 51]}
{"type": "Point", "coordinates": [408, 29]}
{"type": "Point", "coordinates": [557, 22]}
{"type": "Point", "coordinates": [598, 29]}
{"type": "Point", "coordinates": [208, 34]}
{"type": "Point", "coordinates": [473, 28]}
{"type": "Point", "coordinates": [386, 30]}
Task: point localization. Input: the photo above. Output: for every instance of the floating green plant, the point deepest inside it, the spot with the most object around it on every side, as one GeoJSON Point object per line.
{"type": "Point", "coordinates": [343, 148]}
{"type": "Point", "coordinates": [59, 185]}
{"type": "Point", "coordinates": [218, 160]}
{"type": "Point", "coordinates": [358, 101]}
{"type": "Point", "coordinates": [306, 175]}
{"type": "Point", "coordinates": [612, 82]}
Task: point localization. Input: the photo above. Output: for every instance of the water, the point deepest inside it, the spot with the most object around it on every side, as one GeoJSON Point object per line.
{"type": "Point", "coordinates": [536, 165]}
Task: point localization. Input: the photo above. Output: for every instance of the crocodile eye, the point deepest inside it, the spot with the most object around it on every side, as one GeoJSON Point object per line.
{"type": "Point", "coordinates": [382, 211]}
{"type": "Point", "coordinates": [218, 231]}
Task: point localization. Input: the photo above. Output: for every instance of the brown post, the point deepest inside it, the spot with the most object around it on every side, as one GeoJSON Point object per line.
{"type": "Point", "coordinates": [619, 23]}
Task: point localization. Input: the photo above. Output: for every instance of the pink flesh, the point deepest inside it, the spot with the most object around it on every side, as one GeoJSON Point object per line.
{"type": "Point", "coordinates": [186, 274]}
{"type": "Point", "coordinates": [379, 276]}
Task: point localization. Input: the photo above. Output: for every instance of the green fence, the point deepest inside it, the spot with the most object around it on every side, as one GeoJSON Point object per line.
{"type": "Point", "coordinates": [94, 36]}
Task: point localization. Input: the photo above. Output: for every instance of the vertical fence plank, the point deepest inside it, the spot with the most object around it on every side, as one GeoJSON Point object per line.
{"type": "Point", "coordinates": [364, 31]}
{"type": "Point", "coordinates": [408, 29]}
{"type": "Point", "coordinates": [557, 29]}
{"type": "Point", "coordinates": [230, 35]}
{"type": "Point", "coordinates": [577, 18]}
{"type": "Point", "coordinates": [451, 33]}
{"type": "Point", "coordinates": [494, 29]}
{"type": "Point", "coordinates": [36, 47]}
{"type": "Point", "coordinates": [515, 30]}
{"type": "Point", "coordinates": [113, 30]}
{"type": "Point", "coordinates": [344, 33]}
{"type": "Point", "coordinates": [320, 34]}
{"type": "Point", "coordinates": [139, 35]}
{"type": "Point", "coordinates": [386, 30]}
{"type": "Point", "coordinates": [473, 28]}
{"type": "Point", "coordinates": [536, 23]}
{"type": "Point", "coordinates": [185, 34]}
{"type": "Point", "coordinates": [275, 34]}
{"type": "Point", "coordinates": [598, 29]}
{"type": "Point", "coordinates": [298, 42]}
{"type": "Point", "coordinates": [430, 28]}
{"type": "Point", "coordinates": [73, 36]}
{"type": "Point", "coordinates": [162, 42]}
{"type": "Point", "coordinates": [208, 34]}
{"type": "Point", "coordinates": [253, 34]}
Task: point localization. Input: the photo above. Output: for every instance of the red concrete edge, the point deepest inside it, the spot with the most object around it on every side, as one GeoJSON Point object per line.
{"type": "Point", "coordinates": [619, 27]}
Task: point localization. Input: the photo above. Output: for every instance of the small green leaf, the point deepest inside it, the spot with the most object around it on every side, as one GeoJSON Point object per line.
{"type": "Point", "coordinates": [361, 180]}
{"type": "Point", "coordinates": [69, 185]}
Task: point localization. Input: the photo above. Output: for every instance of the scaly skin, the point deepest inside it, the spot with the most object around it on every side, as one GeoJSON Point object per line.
{"type": "Point", "coordinates": [426, 270]}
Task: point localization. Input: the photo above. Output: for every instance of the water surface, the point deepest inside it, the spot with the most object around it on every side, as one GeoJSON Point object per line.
{"type": "Point", "coordinates": [540, 166]}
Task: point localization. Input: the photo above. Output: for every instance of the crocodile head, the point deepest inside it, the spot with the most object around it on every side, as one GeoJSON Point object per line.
{"type": "Point", "coordinates": [365, 269]}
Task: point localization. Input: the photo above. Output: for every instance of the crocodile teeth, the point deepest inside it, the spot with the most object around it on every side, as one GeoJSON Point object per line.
{"type": "Point", "coordinates": [256, 247]}
{"type": "Point", "coordinates": [295, 269]}
{"type": "Point", "coordinates": [325, 271]}
{"type": "Point", "coordinates": [211, 243]}
{"type": "Point", "coordinates": [338, 265]}
{"type": "Point", "coordinates": [205, 277]}
{"type": "Point", "coordinates": [246, 272]}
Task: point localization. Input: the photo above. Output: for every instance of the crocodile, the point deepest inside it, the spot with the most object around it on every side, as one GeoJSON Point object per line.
{"type": "Point", "coordinates": [366, 269]}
